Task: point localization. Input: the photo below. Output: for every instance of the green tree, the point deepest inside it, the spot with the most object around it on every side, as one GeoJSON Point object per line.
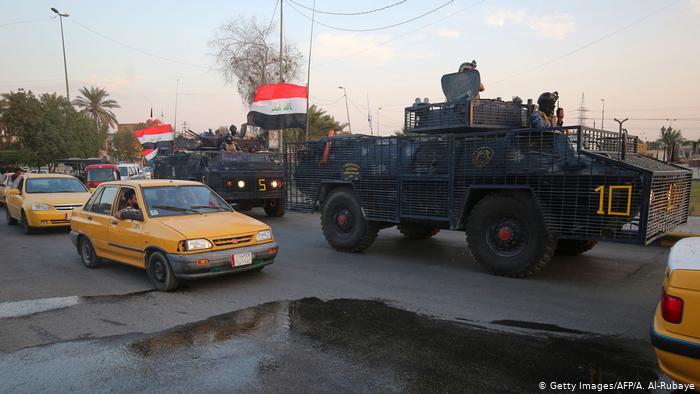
{"type": "Point", "coordinates": [48, 128]}
{"type": "Point", "coordinates": [95, 105]}
{"type": "Point", "coordinates": [126, 146]}
{"type": "Point", "coordinates": [670, 137]}
{"type": "Point", "coordinates": [320, 123]}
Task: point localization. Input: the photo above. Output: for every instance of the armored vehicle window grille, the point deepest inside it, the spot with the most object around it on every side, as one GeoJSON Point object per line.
{"type": "Point", "coordinates": [497, 113]}
{"type": "Point", "coordinates": [425, 116]}
{"type": "Point", "coordinates": [668, 203]}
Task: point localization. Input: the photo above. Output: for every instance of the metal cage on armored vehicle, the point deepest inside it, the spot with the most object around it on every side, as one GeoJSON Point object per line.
{"type": "Point", "coordinates": [579, 188]}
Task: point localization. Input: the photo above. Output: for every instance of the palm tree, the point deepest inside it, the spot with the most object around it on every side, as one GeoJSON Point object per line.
{"type": "Point", "coordinates": [670, 137]}
{"type": "Point", "coordinates": [96, 106]}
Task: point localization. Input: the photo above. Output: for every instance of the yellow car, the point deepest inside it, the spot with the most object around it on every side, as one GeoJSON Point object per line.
{"type": "Point", "coordinates": [44, 200]}
{"type": "Point", "coordinates": [172, 229]}
{"type": "Point", "coordinates": [5, 183]}
{"type": "Point", "coordinates": [676, 330]}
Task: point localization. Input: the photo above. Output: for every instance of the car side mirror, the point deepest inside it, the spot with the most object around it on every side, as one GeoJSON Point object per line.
{"type": "Point", "coordinates": [12, 192]}
{"type": "Point", "coordinates": [132, 215]}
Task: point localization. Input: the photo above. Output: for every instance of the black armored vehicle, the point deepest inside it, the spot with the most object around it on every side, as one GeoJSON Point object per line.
{"type": "Point", "coordinates": [475, 165]}
{"type": "Point", "coordinates": [250, 177]}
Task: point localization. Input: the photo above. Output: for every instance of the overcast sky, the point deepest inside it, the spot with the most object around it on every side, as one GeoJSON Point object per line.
{"type": "Point", "coordinates": [642, 57]}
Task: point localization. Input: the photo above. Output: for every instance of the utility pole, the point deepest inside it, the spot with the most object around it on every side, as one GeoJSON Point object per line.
{"type": "Point", "coordinates": [602, 116]}
{"type": "Point", "coordinates": [177, 86]}
{"type": "Point", "coordinates": [281, 41]}
{"type": "Point", "coordinates": [378, 109]}
{"type": "Point", "coordinates": [308, 73]}
{"type": "Point", "coordinates": [63, 44]}
{"type": "Point", "coordinates": [347, 109]}
{"type": "Point", "coordinates": [369, 116]}
{"type": "Point", "coordinates": [623, 151]}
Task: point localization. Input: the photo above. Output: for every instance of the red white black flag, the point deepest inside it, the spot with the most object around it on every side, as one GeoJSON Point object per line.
{"type": "Point", "coordinates": [279, 106]}
{"type": "Point", "coordinates": [155, 137]}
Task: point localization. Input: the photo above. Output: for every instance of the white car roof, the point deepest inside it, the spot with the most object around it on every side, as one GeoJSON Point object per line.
{"type": "Point", "coordinates": [685, 255]}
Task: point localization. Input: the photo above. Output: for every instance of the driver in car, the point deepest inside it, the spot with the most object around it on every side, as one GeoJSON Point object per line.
{"type": "Point", "coordinates": [131, 203]}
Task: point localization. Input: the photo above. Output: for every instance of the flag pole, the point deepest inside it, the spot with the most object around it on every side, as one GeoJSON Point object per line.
{"type": "Point", "coordinates": [308, 72]}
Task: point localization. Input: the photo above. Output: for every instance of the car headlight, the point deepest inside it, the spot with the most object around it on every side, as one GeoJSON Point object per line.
{"type": "Point", "coordinates": [264, 235]}
{"type": "Point", "coordinates": [197, 244]}
{"type": "Point", "coordinates": [40, 207]}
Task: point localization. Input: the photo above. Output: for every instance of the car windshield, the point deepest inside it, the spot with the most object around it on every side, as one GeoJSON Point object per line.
{"type": "Point", "coordinates": [54, 185]}
{"type": "Point", "coordinates": [124, 171]}
{"type": "Point", "coordinates": [182, 200]}
{"type": "Point", "coordinates": [100, 175]}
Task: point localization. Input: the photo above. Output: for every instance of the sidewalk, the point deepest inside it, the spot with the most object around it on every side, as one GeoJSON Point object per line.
{"type": "Point", "coordinates": [689, 229]}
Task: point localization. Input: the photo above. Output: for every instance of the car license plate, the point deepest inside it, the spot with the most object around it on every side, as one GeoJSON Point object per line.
{"type": "Point", "coordinates": [241, 259]}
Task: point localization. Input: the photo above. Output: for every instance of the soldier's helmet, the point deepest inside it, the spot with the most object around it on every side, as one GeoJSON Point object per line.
{"type": "Point", "coordinates": [547, 101]}
{"type": "Point", "coordinates": [467, 66]}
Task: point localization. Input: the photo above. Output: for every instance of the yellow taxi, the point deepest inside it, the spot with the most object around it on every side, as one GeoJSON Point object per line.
{"type": "Point", "coordinates": [173, 229]}
{"type": "Point", "coordinates": [5, 183]}
{"type": "Point", "coordinates": [675, 333]}
{"type": "Point", "coordinates": [44, 200]}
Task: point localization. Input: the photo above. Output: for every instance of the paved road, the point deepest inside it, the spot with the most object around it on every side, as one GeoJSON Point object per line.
{"type": "Point", "coordinates": [607, 295]}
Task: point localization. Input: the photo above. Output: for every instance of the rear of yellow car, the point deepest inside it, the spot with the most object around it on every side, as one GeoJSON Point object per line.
{"type": "Point", "coordinates": [676, 330]}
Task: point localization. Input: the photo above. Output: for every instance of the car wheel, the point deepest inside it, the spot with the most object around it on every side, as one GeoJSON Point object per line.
{"type": "Point", "coordinates": [10, 220]}
{"type": "Point", "coordinates": [160, 273]}
{"type": "Point", "coordinates": [508, 236]}
{"type": "Point", "coordinates": [25, 225]}
{"type": "Point", "coordinates": [274, 208]}
{"type": "Point", "coordinates": [572, 247]}
{"type": "Point", "coordinates": [344, 224]}
{"type": "Point", "coordinates": [417, 232]}
{"type": "Point", "coordinates": [87, 253]}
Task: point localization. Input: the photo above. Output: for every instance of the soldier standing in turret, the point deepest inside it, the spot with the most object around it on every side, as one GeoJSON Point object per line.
{"type": "Point", "coordinates": [544, 115]}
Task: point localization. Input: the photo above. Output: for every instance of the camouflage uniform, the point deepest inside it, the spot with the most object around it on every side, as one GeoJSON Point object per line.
{"type": "Point", "coordinates": [539, 120]}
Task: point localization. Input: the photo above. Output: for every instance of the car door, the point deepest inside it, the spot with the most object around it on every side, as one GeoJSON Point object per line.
{"type": "Point", "coordinates": [14, 202]}
{"type": "Point", "coordinates": [126, 236]}
{"type": "Point", "coordinates": [97, 219]}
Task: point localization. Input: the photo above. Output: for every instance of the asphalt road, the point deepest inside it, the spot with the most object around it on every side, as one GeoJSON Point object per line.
{"type": "Point", "coordinates": [573, 316]}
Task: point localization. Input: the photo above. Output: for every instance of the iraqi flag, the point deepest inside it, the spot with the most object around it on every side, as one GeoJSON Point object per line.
{"type": "Point", "coordinates": [154, 138]}
{"type": "Point", "coordinates": [279, 106]}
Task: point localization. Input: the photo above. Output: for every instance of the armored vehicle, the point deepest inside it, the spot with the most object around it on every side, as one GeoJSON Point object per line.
{"type": "Point", "coordinates": [467, 164]}
{"type": "Point", "coordinates": [250, 177]}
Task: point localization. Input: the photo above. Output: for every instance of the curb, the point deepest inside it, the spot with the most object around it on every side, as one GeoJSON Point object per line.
{"type": "Point", "coordinates": [671, 238]}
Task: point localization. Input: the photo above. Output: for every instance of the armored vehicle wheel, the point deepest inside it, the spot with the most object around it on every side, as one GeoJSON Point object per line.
{"type": "Point", "coordinates": [274, 208]}
{"type": "Point", "coordinates": [507, 235]}
{"type": "Point", "coordinates": [344, 225]}
{"type": "Point", "coordinates": [412, 231]}
{"type": "Point", "coordinates": [571, 247]}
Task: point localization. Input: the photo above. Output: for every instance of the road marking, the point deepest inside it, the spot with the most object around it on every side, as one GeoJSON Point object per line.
{"type": "Point", "coordinates": [28, 307]}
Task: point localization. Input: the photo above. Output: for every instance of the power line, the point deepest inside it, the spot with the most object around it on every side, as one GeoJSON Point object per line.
{"type": "Point", "coordinates": [272, 18]}
{"type": "Point", "coordinates": [375, 28]}
{"type": "Point", "coordinates": [548, 62]}
{"type": "Point", "coordinates": [656, 119]}
{"type": "Point", "coordinates": [134, 48]}
{"type": "Point", "coordinates": [28, 21]}
{"type": "Point", "coordinates": [350, 13]}
{"type": "Point", "coordinates": [401, 35]}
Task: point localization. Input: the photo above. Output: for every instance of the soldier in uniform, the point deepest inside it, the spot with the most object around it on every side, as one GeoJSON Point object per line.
{"type": "Point", "coordinates": [544, 115]}
{"type": "Point", "coordinates": [229, 145]}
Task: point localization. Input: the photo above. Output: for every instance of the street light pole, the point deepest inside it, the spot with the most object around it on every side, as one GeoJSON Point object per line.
{"type": "Point", "coordinates": [623, 136]}
{"type": "Point", "coordinates": [63, 44]}
{"type": "Point", "coordinates": [602, 116]}
{"type": "Point", "coordinates": [378, 109]}
{"type": "Point", "coordinates": [347, 109]}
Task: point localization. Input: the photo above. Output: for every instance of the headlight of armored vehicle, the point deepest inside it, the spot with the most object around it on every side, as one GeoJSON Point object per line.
{"type": "Point", "coordinates": [241, 184]}
{"type": "Point", "coordinates": [197, 244]}
{"type": "Point", "coordinates": [40, 207]}
{"type": "Point", "coordinates": [264, 235]}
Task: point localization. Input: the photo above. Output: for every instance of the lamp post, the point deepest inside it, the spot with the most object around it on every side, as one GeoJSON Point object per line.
{"type": "Point", "coordinates": [347, 110]}
{"type": "Point", "coordinates": [378, 109]}
{"type": "Point", "coordinates": [63, 44]}
{"type": "Point", "coordinates": [623, 151]}
{"type": "Point", "coordinates": [602, 116]}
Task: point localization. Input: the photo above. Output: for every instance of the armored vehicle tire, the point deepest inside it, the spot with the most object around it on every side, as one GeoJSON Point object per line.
{"type": "Point", "coordinates": [344, 225]}
{"type": "Point", "coordinates": [571, 247]}
{"type": "Point", "coordinates": [507, 235]}
{"type": "Point", "coordinates": [274, 208]}
{"type": "Point", "coordinates": [412, 231]}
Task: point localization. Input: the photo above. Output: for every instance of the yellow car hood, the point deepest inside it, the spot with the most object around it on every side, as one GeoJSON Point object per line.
{"type": "Point", "coordinates": [213, 225]}
{"type": "Point", "coordinates": [57, 198]}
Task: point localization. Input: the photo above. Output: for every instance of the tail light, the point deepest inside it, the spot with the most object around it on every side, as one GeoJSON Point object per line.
{"type": "Point", "coordinates": [671, 308]}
